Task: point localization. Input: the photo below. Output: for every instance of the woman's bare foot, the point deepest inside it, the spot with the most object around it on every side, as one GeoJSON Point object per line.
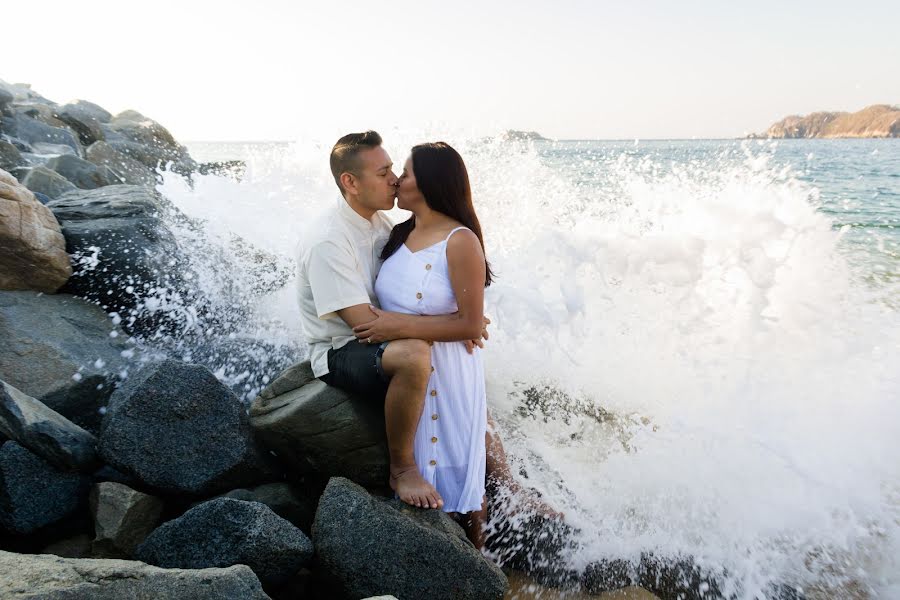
{"type": "Point", "coordinates": [412, 488]}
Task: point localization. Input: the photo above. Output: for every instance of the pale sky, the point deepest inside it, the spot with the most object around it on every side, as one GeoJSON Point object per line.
{"type": "Point", "coordinates": [273, 70]}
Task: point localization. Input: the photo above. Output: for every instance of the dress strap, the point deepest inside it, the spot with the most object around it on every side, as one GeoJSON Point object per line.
{"type": "Point", "coordinates": [453, 231]}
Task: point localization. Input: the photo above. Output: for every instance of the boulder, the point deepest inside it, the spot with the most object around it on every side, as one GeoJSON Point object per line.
{"type": "Point", "coordinates": [32, 248]}
{"type": "Point", "coordinates": [360, 541]}
{"type": "Point", "coordinates": [10, 157]}
{"type": "Point", "coordinates": [77, 546]}
{"type": "Point", "coordinates": [123, 518]}
{"type": "Point", "coordinates": [127, 257]}
{"type": "Point", "coordinates": [147, 141]}
{"type": "Point", "coordinates": [313, 427]}
{"type": "Point", "coordinates": [34, 131]}
{"type": "Point", "coordinates": [45, 113]}
{"type": "Point", "coordinates": [46, 181]}
{"type": "Point", "coordinates": [225, 532]}
{"type": "Point", "coordinates": [45, 432]}
{"type": "Point", "coordinates": [85, 175]}
{"type": "Point", "coordinates": [62, 351]}
{"type": "Point", "coordinates": [287, 501]}
{"type": "Point", "coordinates": [176, 428]}
{"type": "Point", "coordinates": [5, 99]}
{"type": "Point", "coordinates": [89, 110]}
{"type": "Point", "coordinates": [32, 493]}
{"type": "Point", "coordinates": [129, 170]}
{"type": "Point", "coordinates": [83, 120]}
{"type": "Point", "coordinates": [30, 576]}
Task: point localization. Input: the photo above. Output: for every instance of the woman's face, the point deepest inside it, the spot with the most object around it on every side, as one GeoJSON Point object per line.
{"type": "Point", "coordinates": [408, 194]}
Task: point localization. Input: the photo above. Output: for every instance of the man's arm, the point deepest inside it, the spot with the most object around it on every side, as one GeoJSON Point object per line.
{"type": "Point", "coordinates": [467, 268]}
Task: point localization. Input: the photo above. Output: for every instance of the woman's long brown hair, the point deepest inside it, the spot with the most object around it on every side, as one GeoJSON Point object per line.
{"type": "Point", "coordinates": [442, 178]}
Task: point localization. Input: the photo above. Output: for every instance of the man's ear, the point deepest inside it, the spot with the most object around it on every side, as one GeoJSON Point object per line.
{"type": "Point", "coordinates": [348, 181]}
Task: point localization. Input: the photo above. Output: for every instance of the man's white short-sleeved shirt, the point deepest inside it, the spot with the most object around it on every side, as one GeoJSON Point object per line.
{"type": "Point", "coordinates": [338, 260]}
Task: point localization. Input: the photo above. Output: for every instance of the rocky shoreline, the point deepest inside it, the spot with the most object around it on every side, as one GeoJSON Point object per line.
{"type": "Point", "coordinates": [876, 121]}
{"type": "Point", "coordinates": [124, 473]}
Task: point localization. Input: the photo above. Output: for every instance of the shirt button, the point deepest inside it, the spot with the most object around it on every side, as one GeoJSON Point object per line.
{"type": "Point", "coordinates": [427, 267]}
{"type": "Point", "coordinates": [419, 295]}
{"type": "Point", "coordinates": [434, 417]}
{"type": "Point", "coordinates": [432, 462]}
{"type": "Point", "coordinates": [434, 440]}
{"type": "Point", "coordinates": [432, 369]}
{"type": "Point", "coordinates": [434, 392]}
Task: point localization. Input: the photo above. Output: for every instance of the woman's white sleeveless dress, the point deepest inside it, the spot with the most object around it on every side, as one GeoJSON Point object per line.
{"type": "Point", "coordinates": [449, 443]}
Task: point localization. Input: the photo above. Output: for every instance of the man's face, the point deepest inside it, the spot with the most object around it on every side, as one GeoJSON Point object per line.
{"type": "Point", "coordinates": [376, 182]}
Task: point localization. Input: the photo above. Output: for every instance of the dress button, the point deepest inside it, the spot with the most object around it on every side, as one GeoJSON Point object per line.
{"type": "Point", "coordinates": [434, 417]}
{"type": "Point", "coordinates": [432, 369]}
{"type": "Point", "coordinates": [432, 462]}
{"type": "Point", "coordinates": [427, 267]}
{"type": "Point", "coordinates": [419, 295]}
{"type": "Point", "coordinates": [434, 392]}
{"type": "Point", "coordinates": [434, 440]}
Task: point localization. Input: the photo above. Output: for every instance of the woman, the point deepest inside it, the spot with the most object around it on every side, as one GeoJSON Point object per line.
{"type": "Point", "coordinates": [435, 265]}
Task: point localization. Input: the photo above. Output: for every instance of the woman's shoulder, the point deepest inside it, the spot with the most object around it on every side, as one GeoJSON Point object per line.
{"type": "Point", "coordinates": [462, 239]}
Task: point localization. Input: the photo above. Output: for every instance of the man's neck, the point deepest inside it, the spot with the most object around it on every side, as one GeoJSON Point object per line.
{"type": "Point", "coordinates": [364, 212]}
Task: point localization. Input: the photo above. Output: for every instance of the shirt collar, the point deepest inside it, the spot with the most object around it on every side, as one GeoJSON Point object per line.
{"type": "Point", "coordinates": [356, 220]}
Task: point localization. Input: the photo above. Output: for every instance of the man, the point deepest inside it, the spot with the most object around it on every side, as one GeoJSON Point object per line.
{"type": "Point", "coordinates": [337, 266]}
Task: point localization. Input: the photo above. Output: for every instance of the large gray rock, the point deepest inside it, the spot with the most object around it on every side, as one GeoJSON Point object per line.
{"type": "Point", "coordinates": [5, 98]}
{"type": "Point", "coordinates": [82, 118]}
{"type": "Point", "coordinates": [60, 350]}
{"type": "Point", "coordinates": [34, 494]}
{"type": "Point", "coordinates": [360, 541]}
{"type": "Point", "coordinates": [313, 427]}
{"type": "Point", "coordinates": [35, 131]}
{"type": "Point", "coordinates": [176, 428]}
{"type": "Point", "coordinates": [126, 251]}
{"type": "Point", "coordinates": [89, 110]}
{"type": "Point", "coordinates": [46, 577]}
{"type": "Point", "coordinates": [46, 181]}
{"type": "Point", "coordinates": [287, 501]}
{"type": "Point", "coordinates": [225, 532]}
{"type": "Point", "coordinates": [147, 141]}
{"type": "Point", "coordinates": [45, 432]}
{"type": "Point", "coordinates": [123, 518]}
{"type": "Point", "coordinates": [85, 175]}
{"type": "Point", "coordinates": [45, 113]}
{"type": "Point", "coordinates": [10, 157]}
{"type": "Point", "coordinates": [129, 170]}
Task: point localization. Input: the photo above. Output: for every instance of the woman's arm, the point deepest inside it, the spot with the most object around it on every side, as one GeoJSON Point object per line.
{"type": "Point", "coordinates": [465, 262]}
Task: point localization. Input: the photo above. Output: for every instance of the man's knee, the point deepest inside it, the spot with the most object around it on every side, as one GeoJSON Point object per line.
{"type": "Point", "coordinates": [407, 356]}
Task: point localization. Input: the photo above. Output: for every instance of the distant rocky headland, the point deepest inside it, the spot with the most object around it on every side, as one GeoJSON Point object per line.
{"type": "Point", "coordinates": [523, 136]}
{"type": "Point", "coordinates": [876, 121]}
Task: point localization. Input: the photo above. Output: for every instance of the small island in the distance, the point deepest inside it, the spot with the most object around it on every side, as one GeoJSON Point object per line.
{"type": "Point", "coordinates": [523, 136]}
{"type": "Point", "coordinates": [876, 121]}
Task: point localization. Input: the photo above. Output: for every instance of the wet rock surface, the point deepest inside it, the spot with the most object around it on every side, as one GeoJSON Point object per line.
{"type": "Point", "coordinates": [226, 532]}
{"type": "Point", "coordinates": [62, 351]}
{"type": "Point", "coordinates": [177, 429]}
{"type": "Point", "coordinates": [24, 576]}
{"type": "Point", "coordinates": [360, 541]}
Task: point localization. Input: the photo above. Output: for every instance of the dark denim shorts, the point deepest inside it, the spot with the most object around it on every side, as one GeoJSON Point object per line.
{"type": "Point", "coordinates": [356, 368]}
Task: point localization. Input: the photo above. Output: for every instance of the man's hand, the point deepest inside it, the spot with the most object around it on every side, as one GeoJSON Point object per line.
{"type": "Point", "coordinates": [470, 344]}
{"type": "Point", "coordinates": [385, 326]}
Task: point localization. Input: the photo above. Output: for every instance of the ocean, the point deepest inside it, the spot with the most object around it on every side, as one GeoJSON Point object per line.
{"type": "Point", "coordinates": [695, 348]}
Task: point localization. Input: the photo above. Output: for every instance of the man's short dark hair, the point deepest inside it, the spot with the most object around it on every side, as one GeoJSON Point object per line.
{"type": "Point", "coordinates": [345, 154]}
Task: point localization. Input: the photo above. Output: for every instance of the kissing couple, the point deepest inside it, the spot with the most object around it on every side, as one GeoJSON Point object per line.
{"type": "Point", "coordinates": [394, 313]}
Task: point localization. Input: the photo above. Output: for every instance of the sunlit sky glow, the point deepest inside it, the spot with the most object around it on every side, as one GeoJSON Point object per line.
{"type": "Point", "coordinates": [272, 70]}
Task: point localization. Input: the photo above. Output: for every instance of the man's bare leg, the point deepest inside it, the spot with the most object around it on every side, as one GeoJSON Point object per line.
{"type": "Point", "coordinates": [498, 469]}
{"type": "Point", "coordinates": [408, 363]}
{"type": "Point", "coordinates": [474, 524]}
